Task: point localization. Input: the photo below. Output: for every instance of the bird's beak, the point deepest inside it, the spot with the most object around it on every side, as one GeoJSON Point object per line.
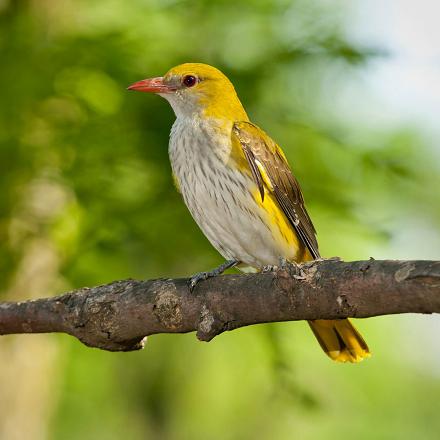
{"type": "Point", "coordinates": [152, 85]}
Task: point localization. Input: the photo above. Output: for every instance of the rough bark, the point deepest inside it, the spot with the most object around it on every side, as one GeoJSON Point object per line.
{"type": "Point", "coordinates": [118, 316]}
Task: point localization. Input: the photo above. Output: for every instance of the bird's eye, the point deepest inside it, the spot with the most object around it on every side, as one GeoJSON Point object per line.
{"type": "Point", "coordinates": [189, 81]}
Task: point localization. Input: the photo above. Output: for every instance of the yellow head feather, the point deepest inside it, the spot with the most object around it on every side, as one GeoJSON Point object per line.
{"type": "Point", "coordinates": [213, 94]}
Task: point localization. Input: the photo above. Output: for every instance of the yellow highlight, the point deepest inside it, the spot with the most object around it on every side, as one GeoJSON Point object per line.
{"type": "Point", "coordinates": [215, 92]}
{"type": "Point", "coordinates": [282, 230]}
{"type": "Point", "coordinates": [264, 175]}
{"type": "Point", "coordinates": [340, 340]}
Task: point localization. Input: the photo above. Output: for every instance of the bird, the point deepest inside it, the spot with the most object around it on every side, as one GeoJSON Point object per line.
{"type": "Point", "coordinates": [239, 188]}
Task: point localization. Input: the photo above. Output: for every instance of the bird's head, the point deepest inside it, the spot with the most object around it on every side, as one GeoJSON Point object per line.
{"type": "Point", "coordinates": [196, 89]}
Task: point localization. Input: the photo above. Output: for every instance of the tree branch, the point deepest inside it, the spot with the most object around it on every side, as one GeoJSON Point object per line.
{"type": "Point", "coordinates": [118, 316]}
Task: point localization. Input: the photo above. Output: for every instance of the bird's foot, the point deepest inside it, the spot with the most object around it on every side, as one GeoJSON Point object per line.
{"type": "Point", "coordinates": [300, 274]}
{"type": "Point", "coordinates": [284, 264]}
{"type": "Point", "coordinates": [269, 268]}
{"type": "Point", "coordinates": [309, 264]}
{"type": "Point", "coordinates": [201, 276]}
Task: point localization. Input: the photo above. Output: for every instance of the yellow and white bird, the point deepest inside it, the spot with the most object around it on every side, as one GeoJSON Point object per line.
{"type": "Point", "coordinates": [238, 186]}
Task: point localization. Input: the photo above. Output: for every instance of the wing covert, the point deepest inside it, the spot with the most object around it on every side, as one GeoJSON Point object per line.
{"type": "Point", "coordinates": [271, 171]}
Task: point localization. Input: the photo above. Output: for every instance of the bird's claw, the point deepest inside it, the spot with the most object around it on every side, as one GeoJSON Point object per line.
{"type": "Point", "coordinates": [300, 275]}
{"type": "Point", "coordinates": [283, 264]}
{"type": "Point", "coordinates": [201, 276]}
{"type": "Point", "coordinates": [270, 268]}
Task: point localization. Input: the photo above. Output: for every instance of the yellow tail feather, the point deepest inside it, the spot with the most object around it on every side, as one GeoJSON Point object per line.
{"type": "Point", "coordinates": [340, 340]}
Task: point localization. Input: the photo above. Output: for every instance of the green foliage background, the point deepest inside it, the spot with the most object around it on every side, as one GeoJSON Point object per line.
{"type": "Point", "coordinates": [86, 198]}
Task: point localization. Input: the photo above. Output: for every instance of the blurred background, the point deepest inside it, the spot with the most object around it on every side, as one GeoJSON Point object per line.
{"type": "Point", "coordinates": [350, 90]}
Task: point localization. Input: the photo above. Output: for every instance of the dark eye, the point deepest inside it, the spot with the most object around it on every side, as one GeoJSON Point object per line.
{"type": "Point", "coordinates": [189, 80]}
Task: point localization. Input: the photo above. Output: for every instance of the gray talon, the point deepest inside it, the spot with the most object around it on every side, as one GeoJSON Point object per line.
{"type": "Point", "coordinates": [269, 268]}
{"type": "Point", "coordinates": [283, 263]}
{"type": "Point", "coordinates": [196, 278]}
{"type": "Point", "coordinates": [201, 276]}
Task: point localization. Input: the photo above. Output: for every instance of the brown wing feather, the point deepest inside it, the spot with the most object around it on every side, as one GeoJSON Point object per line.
{"type": "Point", "coordinates": [264, 155]}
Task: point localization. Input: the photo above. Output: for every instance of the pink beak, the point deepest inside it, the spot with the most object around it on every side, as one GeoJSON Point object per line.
{"type": "Point", "coordinates": [152, 85]}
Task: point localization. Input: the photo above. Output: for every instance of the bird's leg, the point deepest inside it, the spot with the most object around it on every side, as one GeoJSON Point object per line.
{"type": "Point", "coordinates": [307, 264]}
{"type": "Point", "coordinates": [212, 273]}
{"type": "Point", "coordinates": [301, 275]}
{"type": "Point", "coordinates": [283, 264]}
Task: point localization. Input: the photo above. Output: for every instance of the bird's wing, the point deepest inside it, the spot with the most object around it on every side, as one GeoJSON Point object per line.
{"type": "Point", "coordinates": [271, 172]}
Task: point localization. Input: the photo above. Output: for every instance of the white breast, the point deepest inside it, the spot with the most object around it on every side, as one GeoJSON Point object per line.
{"type": "Point", "coordinates": [219, 197]}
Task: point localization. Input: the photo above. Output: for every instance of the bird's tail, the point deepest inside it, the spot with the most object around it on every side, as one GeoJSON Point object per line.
{"type": "Point", "coordinates": [340, 340]}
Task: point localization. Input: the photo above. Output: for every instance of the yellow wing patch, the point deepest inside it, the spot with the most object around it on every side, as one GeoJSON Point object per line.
{"type": "Point", "coordinates": [264, 175]}
{"type": "Point", "coordinates": [282, 231]}
{"type": "Point", "coordinates": [272, 175]}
